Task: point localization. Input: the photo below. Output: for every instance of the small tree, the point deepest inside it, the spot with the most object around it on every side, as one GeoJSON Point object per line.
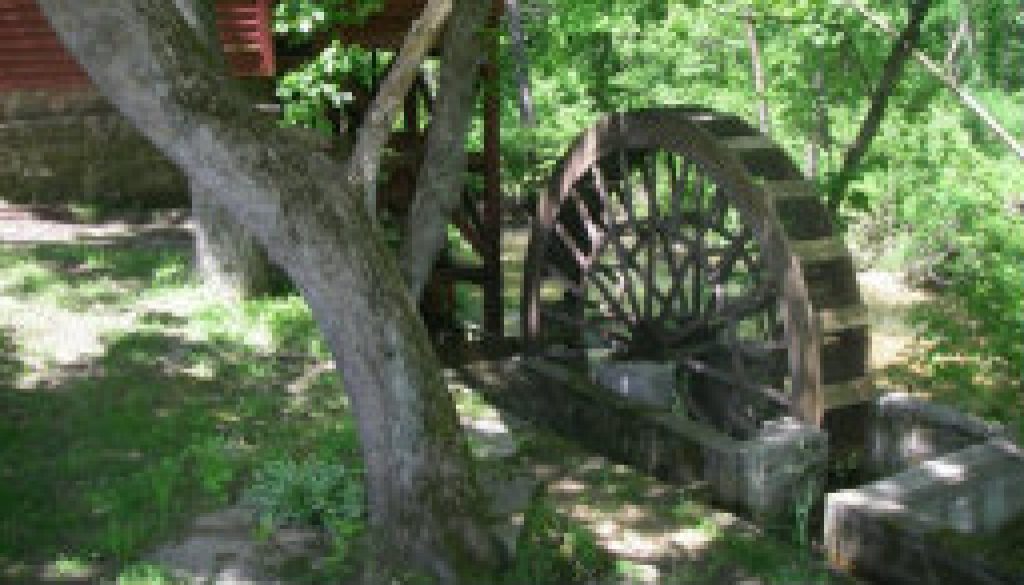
{"type": "Point", "coordinates": [308, 212]}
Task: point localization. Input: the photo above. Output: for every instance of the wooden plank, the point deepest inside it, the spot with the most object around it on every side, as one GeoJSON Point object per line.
{"type": "Point", "coordinates": [494, 320]}
{"type": "Point", "coordinates": [843, 318]}
{"type": "Point", "coordinates": [849, 393]}
{"type": "Point", "coordinates": [819, 250]}
{"type": "Point", "coordinates": [791, 189]}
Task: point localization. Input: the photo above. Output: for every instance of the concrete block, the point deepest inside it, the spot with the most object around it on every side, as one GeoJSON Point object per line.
{"type": "Point", "coordinates": [647, 383]}
{"type": "Point", "coordinates": [905, 430]}
{"type": "Point", "coordinates": [889, 529]}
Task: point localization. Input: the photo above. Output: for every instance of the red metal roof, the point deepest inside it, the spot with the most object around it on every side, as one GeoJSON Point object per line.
{"type": "Point", "coordinates": [32, 57]}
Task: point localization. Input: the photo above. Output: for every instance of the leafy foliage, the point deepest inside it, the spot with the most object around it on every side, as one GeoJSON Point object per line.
{"type": "Point", "coordinates": [304, 17]}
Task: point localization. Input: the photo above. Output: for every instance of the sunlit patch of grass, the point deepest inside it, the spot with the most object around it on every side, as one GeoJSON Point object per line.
{"type": "Point", "coordinates": [80, 277]}
{"type": "Point", "coordinates": [146, 574]}
{"type": "Point", "coordinates": [283, 325]}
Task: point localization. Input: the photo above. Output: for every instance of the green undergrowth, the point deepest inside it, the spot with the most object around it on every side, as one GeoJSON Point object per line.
{"type": "Point", "coordinates": [553, 550]}
{"type": "Point", "coordinates": [317, 493]}
{"type": "Point", "coordinates": [107, 453]}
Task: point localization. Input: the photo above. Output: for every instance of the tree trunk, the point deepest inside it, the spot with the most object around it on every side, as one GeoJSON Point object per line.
{"type": "Point", "coordinates": [901, 51]}
{"type": "Point", "coordinates": [364, 162]}
{"type": "Point", "coordinates": [964, 35]}
{"type": "Point", "coordinates": [819, 141]}
{"type": "Point", "coordinates": [227, 259]}
{"type": "Point", "coordinates": [441, 179]}
{"type": "Point", "coordinates": [522, 62]}
{"type": "Point", "coordinates": [425, 513]}
{"type": "Point", "coordinates": [759, 84]}
{"type": "Point", "coordinates": [965, 97]}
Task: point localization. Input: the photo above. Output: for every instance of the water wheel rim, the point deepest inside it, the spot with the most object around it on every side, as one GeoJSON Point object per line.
{"type": "Point", "coordinates": [672, 130]}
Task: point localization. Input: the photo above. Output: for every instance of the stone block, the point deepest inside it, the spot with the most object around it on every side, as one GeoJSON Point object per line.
{"type": "Point", "coordinates": [905, 430]}
{"type": "Point", "coordinates": [768, 476]}
{"type": "Point", "coordinates": [890, 529]}
{"type": "Point", "coordinates": [775, 476]}
{"type": "Point", "coordinates": [647, 383]}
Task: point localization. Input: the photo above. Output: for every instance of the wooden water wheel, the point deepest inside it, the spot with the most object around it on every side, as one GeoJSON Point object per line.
{"type": "Point", "coordinates": [684, 235]}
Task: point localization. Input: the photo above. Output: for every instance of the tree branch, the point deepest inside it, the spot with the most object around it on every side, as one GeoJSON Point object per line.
{"type": "Point", "coordinates": [364, 162]}
{"type": "Point", "coordinates": [961, 92]}
{"type": "Point", "coordinates": [891, 74]}
{"type": "Point", "coordinates": [441, 178]}
{"type": "Point", "coordinates": [522, 63]}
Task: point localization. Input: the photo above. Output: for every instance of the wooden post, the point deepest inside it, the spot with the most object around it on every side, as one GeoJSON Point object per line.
{"type": "Point", "coordinates": [494, 321]}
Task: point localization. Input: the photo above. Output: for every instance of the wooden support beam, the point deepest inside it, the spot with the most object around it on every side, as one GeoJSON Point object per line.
{"type": "Point", "coordinates": [494, 320]}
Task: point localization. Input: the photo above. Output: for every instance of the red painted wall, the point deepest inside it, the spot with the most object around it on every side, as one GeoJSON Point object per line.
{"type": "Point", "coordinates": [32, 57]}
{"type": "Point", "coordinates": [245, 30]}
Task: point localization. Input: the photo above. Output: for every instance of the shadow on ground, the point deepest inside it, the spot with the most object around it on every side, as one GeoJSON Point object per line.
{"type": "Point", "coordinates": [103, 464]}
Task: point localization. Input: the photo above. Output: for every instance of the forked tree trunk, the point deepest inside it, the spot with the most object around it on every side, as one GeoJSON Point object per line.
{"type": "Point", "coordinates": [227, 259]}
{"type": "Point", "coordinates": [425, 514]}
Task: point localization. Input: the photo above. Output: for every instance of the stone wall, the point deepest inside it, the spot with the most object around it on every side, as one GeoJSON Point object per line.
{"type": "Point", "coordinates": [904, 430]}
{"type": "Point", "coordinates": [71, 145]}
{"type": "Point", "coordinates": [896, 530]}
{"type": "Point", "coordinates": [771, 477]}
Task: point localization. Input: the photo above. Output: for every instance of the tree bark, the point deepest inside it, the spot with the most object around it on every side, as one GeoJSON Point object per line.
{"type": "Point", "coordinates": [425, 514]}
{"type": "Point", "coordinates": [819, 141]}
{"type": "Point", "coordinates": [522, 62]}
{"type": "Point", "coordinates": [964, 35]}
{"type": "Point", "coordinates": [228, 260]}
{"type": "Point", "coordinates": [759, 84]}
{"type": "Point", "coordinates": [961, 92]}
{"type": "Point", "coordinates": [891, 73]}
{"type": "Point", "coordinates": [441, 179]}
{"type": "Point", "coordinates": [364, 163]}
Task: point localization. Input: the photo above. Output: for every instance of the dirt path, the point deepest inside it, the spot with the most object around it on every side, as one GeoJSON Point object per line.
{"type": "Point", "coordinates": [41, 224]}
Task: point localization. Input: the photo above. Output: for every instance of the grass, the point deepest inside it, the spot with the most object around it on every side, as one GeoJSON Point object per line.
{"type": "Point", "coordinates": [131, 403]}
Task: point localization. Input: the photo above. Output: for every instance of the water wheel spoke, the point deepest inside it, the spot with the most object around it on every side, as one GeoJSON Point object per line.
{"type": "Point", "coordinates": [738, 308]}
{"type": "Point", "coordinates": [594, 233]}
{"type": "Point", "coordinates": [698, 254]}
{"type": "Point", "coordinates": [626, 187]}
{"type": "Point", "coordinates": [669, 235]}
{"type": "Point", "coordinates": [649, 191]}
{"type": "Point", "coordinates": [578, 318]}
{"type": "Point", "coordinates": [606, 293]}
{"type": "Point", "coordinates": [627, 266]}
{"type": "Point", "coordinates": [729, 256]}
{"type": "Point", "coordinates": [582, 260]}
{"type": "Point", "coordinates": [570, 284]}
